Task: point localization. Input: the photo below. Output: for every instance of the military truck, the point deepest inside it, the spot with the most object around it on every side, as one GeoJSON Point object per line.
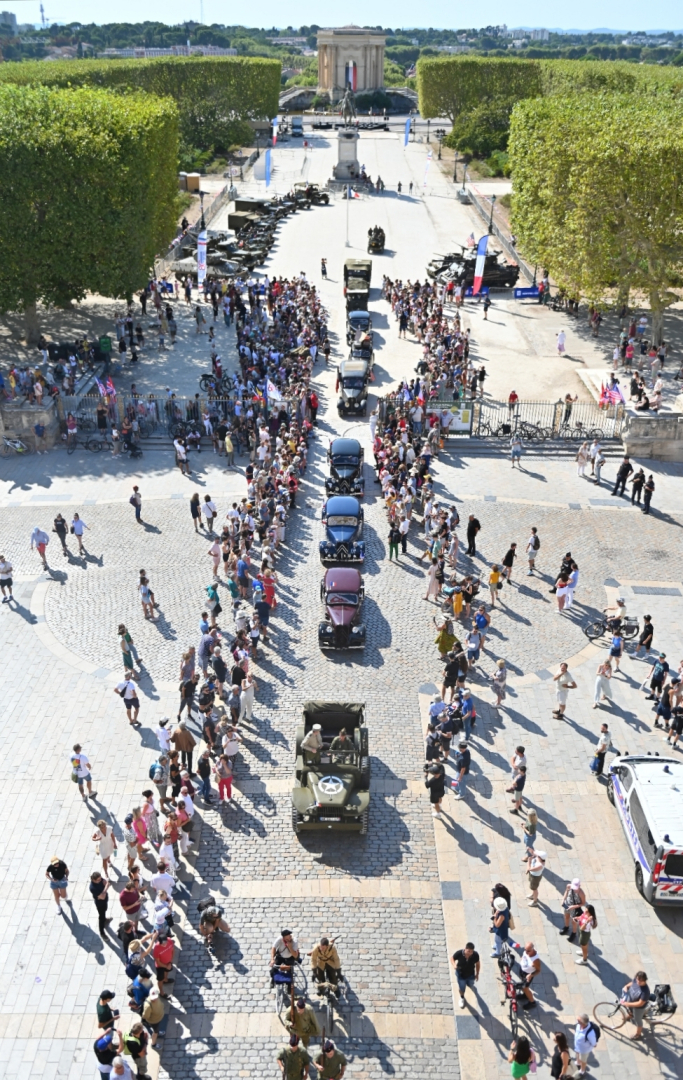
{"type": "Point", "coordinates": [332, 785]}
{"type": "Point", "coordinates": [357, 275]}
{"type": "Point", "coordinates": [353, 377]}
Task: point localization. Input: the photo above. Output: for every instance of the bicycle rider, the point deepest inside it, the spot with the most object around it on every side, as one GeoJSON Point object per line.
{"type": "Point", "coordinates": [616, 621]}
{"type": "Point", "coordinates": [284, 954]}
{"type": "Point", "coordinates": [326, 965]}
{"type": "Point", "coordinates": [636, 997]}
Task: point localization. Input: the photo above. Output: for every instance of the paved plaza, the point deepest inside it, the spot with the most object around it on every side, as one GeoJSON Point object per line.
{"type": "Point", "coordinates": [414, 890]}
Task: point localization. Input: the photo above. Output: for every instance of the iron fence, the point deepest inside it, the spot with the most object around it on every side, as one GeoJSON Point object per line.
{"type": "Point", "coordinates": [531, 420]}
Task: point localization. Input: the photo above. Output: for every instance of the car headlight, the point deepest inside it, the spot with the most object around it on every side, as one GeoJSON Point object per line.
{"type": "Point", "coordinates": [355, 630]}
{"type": "Point", "coordinates": [328, 630]}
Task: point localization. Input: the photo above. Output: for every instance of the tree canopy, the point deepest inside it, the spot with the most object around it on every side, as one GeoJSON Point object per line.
{"type": "Point", "coordinates": [215, 96]}
{"type": "Point", "coordinates": [89, 181]}
{"type": "Point", "coordinates": [453, 85]}
{"type": "Point", "coordinates": [598, 196]}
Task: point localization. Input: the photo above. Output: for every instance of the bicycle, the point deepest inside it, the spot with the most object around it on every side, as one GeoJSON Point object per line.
{"type": "Point", "coordinates": [629, 627]}
{"type": "Point", "coordinates": [12, 445]}
{"type": "Point", "coordinates": [99, 442]}
{"type": "Point", "coordinates": [614, 1014]}
{"type": "Point", "coordinates": [502, 431]}
{"type": "Point", "coordinates": [71, 443]}
{"type": "Point", "coordinates": [569, 433]}
{"type": "Point", "coordinates": [530, 431]}
{"type": "Point", "coordinates": [513, 990]}
{"type": "Point", "coordinates": [287, 990]}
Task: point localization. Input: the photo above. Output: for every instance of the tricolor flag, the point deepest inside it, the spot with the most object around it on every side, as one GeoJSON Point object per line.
{"type": "Point", "coordinates": [111, 389]}
{"type": "Point", "coordinates": [272, 392]}
{"type": "Point", "coordinates": [350, 193]}
{"type": "Point", "coordinates": [275, 124]}
{"type": "Point", "coordinates": [479, 265]}
{"type": "Point", "coordinates": [470, 240]}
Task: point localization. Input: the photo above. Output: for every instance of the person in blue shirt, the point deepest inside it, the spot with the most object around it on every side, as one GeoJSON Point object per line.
{"type": "Point", "coordinates": [660, 670]}
{"type": "Point", "coordinates": [243, 578]}
{"type": "Point", "coordinates": [140, 988]}
{"type": "Point", "coordinates": [467, 710]}
{"type": "Point", "coordinates": [617, 650]}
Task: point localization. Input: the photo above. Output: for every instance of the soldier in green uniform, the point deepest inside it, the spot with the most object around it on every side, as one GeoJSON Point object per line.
{"type": "Point", "coordinates": [294, 1060]}
{"type": "Point", "coordinates": [305, 1023]}
{"type": "Point", "coordinates": [331, 1063]}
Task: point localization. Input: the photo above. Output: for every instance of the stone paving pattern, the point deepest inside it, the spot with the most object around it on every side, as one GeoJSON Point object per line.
{"type": "Point", "coordinates": [409, 892]}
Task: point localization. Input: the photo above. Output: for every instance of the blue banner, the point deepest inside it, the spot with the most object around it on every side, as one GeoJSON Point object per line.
{"type": "Point", "coordinates": [521, 294]}
{"type": "Point", "coordinates": [484, 291]}
{"type": "Point", "coordinates": [268, 168]}
{"type": "Point", "coordinates": [407, 132]}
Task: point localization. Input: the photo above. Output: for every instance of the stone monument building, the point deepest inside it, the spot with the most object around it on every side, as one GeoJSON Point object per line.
{"type": "Point", "coordinates": [350, 56]}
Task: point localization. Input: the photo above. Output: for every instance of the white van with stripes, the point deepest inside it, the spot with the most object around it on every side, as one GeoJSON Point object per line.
{"type": "Point", "coordinates": [647, 791]}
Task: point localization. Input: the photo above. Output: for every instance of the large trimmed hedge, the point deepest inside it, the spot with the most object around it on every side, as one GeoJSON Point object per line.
{"type": "Point", "coordinates": [450, 86]}
{"type": "Point", "coordinates": [598, 195]}
{"type": "Point", "coordinates": [215, 95]}
{"type": "Point", "coordinates": [88, 182]}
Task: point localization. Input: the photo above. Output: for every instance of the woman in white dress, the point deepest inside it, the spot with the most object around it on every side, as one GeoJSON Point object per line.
{"type": "Point", "coordinates": [106, 841]}
{"type": "Point", "coordinates": [603, 690]}
{"type": "Point", "coordinates": [582, 459]}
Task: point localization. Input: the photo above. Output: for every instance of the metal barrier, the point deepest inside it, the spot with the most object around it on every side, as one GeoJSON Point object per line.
{"type": "Point", "coordinates": [531, 420]}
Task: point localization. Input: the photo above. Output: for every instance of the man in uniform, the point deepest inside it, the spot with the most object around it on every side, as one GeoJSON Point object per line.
{"type": "Point", "coordinates": [342, 742]}
{"type": "Point", "coordinates": [294, 1060]}
{"type": "Point", "coordinates": [305, 1023]}
{"type": "Point", "coordinates": [326, 964]}
{"type": "Point", "coordinates": [331, 1063]}
{"type": "Point", "coordinates": [312, 743]}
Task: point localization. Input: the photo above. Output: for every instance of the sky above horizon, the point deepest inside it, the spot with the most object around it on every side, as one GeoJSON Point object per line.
{"type": "Point", "coordinates": [581, 14]}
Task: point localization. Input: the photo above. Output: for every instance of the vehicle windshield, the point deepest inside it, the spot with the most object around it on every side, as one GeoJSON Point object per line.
{"type": "Point", "coordinates": [342, 519]}
{"type": "Point", "coordinates": [337, 599]}
{"type": "Point", "coordinates": [355, 383]}
{"type": "Point", "coordinates": [345, 459]}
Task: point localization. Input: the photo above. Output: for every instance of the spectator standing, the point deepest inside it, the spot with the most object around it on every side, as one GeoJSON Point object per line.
{"type": "Point", "coordinates": [436, 786]}
{"type": "Point", "coordinates": [585, 1040]}
{"type": "Point", "coordinates": [573, 900]}
{"type": "Point", "coordinates": [467, 965]}
{"type": "Point", "coordinates": [603, 675]}
{"type": "Point", "coordinates": [136, 502]}
{"type": "Point", "coordinates": [463, 761]}
{"type": "Point", "coordinates": [604, 743]}
{"type": "Point", "coordinates": [535, 872]}
{"type": "Point", "coordinates": [57, 874]}
{"type": "Point", "coordinates": [99, 889]}
{"type": "Point", "coordinates": [533, 544]}
{"type": "Point", "coordinates": [565, 683]}
{"type": "Point", "coordinates": [78, 526]}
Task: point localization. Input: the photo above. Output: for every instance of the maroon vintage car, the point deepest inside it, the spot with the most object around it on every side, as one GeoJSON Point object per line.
{"type": "Point", "coordinates": [342, 593]}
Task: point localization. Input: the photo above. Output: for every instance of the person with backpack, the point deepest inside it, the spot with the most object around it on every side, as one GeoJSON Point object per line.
{"type": "Point", "coordinates": [159, 774]}
{"type": "Point", "coordinates": [586, 1035]}
{"type": "Point", "coordinates": [135, 1044]}
{"type": "Point", "coordinates": [106, 1048]}
{"type": "Point", "coordinates": [136, 501]}
{"type": "Point", "coordinates": [533, 544]}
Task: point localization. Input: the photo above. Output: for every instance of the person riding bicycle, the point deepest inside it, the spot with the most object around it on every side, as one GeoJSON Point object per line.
{"type": "Point", "coordinates": [284, 954]}
{"type": "Point", "coordinates": [211, 920]}
{"type": "Point", "coordinates": [616, 621]}
{"type": "Point", "coordinates": [326, 965]}
{"type": "Point", "coordinates": [636, 997]}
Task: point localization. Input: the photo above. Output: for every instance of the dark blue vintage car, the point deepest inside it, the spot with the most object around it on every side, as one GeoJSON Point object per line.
{"type": "Point", "coordinates": [345, 458]}
{"type": "Point", "coordinates": [343, 525]}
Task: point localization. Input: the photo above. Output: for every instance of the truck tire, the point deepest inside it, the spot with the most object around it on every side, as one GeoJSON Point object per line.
{"type": "Point", "coordinates": [365, 821]}
{"type": "Point", "coordinates": [365, 772]}
{"type": "Point", "coordinates": [297, 818]}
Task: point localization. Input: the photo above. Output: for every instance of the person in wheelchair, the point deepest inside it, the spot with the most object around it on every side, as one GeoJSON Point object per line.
{"type": "Point", "coordinates": [326, 965]}
{"type": "Point", "coordinates": [284, 954]}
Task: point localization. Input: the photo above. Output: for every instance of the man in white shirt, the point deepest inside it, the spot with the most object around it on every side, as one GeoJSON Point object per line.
{"type": "Point", "coordinates": [284, 952]}
{"type": "Point", "coordinates": [181, 456]}
{"type": "Point", "coordinates": [162, 879]}
{"type": "Point", "coordinates": [81, 767]}
{"type": "Point", "coordinates": [604, 743]}
{"type": "Point", "coordinates": [528, 967]}
{"type": "Point", "coordinates": [77, 527]}
{"type": "Point", "coordinates": [163, 735]}
{"type": "Point", "coordinates": [6, 580]}
{"type": "Point", "coordinates": [128, 692]}
{"type": "Point", "coordinates": [565, 683]}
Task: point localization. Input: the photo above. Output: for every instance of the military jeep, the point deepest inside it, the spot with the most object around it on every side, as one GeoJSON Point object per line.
{"type": "Point", "coordinates": [332, 788]}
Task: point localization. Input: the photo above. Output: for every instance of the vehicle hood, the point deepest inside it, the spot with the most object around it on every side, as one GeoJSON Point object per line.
{"type": "Point", "coordinates": [344, 472]}
{"type": "Point", "coordinates": [341, 533]}
{"type": "Point", "coordinates": [341, 614]}
{"type": "Point", "coordinates": [342, 785]}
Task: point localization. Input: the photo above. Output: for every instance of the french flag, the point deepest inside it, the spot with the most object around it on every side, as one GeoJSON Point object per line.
{"type": "Point", "coordinates": [479, 265]}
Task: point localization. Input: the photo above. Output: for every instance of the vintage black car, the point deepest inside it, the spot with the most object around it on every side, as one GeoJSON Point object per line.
{"type": "Point", "coordinates": [357, 321]}
{"type": "Point", "coordinates": [345, 458]}
{"type": "Point", "coordinates": [353, 377]}
{"type": "Point", "coordinates": [363, 348]}
{"type": "Point", "coordinates": [332, 784]}
{"type": "Point", "coordinates": [343, 525]}
{"type": "Point", "coordinates": [342, 593]}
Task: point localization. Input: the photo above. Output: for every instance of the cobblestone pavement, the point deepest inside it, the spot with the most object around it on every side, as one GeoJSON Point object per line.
{"type": "Point", "coordinates": [408, 893]}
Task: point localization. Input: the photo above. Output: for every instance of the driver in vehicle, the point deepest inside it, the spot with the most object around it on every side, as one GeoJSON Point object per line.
{"type": "Point", "coordinates": [312, 744]}
{"type": "Point", "coordinates": [284, 954]}
{"type": "Point", "coordinates": [341, 742]}
{"type": "Point", "coordinates": [326, 965]}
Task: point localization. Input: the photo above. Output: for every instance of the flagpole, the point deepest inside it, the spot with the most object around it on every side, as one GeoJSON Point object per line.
{"type": "Point", "coordinates": [348, 200]}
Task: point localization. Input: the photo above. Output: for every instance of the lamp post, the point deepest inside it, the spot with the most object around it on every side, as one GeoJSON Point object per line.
{"type": "Point", "coordinates": [455, 168]}
{"type": "Point", "coordinates": [428, 123]}
{"type": "Point", "coordinates": [493, 206]}
{"type": "Point", "coordinates": [202, 224]}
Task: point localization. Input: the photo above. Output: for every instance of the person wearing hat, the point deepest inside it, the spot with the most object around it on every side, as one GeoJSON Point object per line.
{"type": "Point", "coordinates": [135, 1044]}
{"type": "Point", "coordinates": [501, 924]}
{"type": "Point", "coordinates": [435, 783]}
{"type": "Point", "coordinates": [294, 1060]}
{"type": "Point", "coordinates": [312, 743]}
{"type": "Point", "coordinates": [304, 1023]}
{"type": "Point", "coordinates": [330, 1063]}
{"type": "Point", "coordinates": [658, 676]}
{"type": "Point", "coordinates": [535, 871]}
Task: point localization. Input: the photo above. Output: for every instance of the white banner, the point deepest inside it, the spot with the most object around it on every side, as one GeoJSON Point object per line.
{"type": "Point", "coordinates": [201, 258]}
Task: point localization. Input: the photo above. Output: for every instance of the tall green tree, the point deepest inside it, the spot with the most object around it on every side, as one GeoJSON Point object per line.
{"type": "Point", "coordinates": [598, 194]}
{"type": "Point", "coordinates": [453, 85]}
{"type": "Point", "coordinates": [215, 95]}
{"type": "Point", "coordinates": [88, 181]}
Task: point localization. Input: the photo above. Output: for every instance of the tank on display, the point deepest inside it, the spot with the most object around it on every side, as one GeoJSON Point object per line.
{"type": "Point", "coordinates": [458, 267]}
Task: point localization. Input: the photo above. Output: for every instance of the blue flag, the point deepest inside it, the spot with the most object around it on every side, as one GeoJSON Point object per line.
{"type": "Point", "coordinates": [407, 132]}
{"type": "Point", "coordinates": [268, 168]}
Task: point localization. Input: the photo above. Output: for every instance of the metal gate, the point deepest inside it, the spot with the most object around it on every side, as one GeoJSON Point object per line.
{"type": "Point", "coordinates": [541, 420]}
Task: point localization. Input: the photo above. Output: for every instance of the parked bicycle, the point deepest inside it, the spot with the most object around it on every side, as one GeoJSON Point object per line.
{"type": "Point", "coordinates": [579, 433]}
{"type": "Point", "coordinates": [614, 1014]}
{"type": "Point", "coordinates": [12, 445]}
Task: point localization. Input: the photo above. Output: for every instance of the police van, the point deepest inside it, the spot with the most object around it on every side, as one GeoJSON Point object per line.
{"type": "Point", "coordinates": [647, 792]}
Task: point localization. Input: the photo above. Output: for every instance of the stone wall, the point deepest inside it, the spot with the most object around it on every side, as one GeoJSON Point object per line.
{"type": "Point", "coordinates": [658, 437]}
{"type": "Point", "coordinates": [20, 419]}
